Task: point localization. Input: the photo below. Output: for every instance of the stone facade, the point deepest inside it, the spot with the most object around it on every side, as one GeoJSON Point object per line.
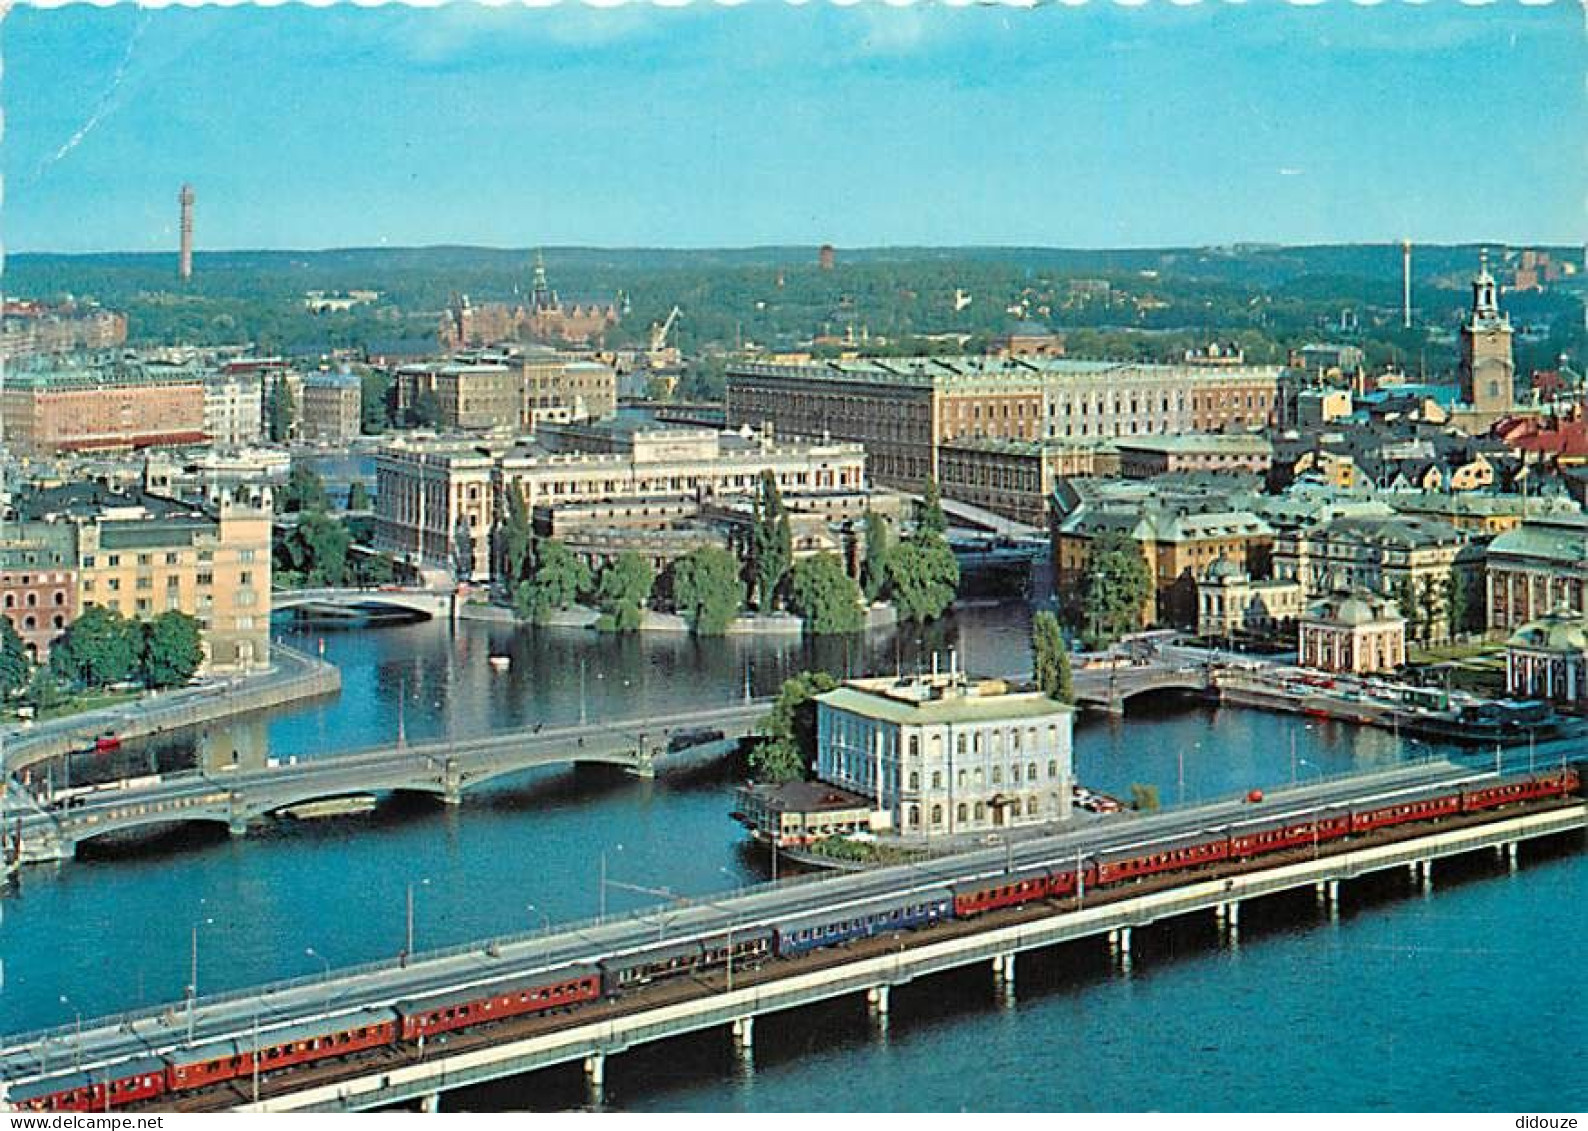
{"type": "Point", "coordinates": [332, 408]}
{"type": "Point", "coordinates": [1014, 478]}
{"type": "Point", "coordinates": [1535, 569]}
{"type": "Point", "coordinates": [38, 582]}
{"type": "Point", "coordinates": [233, 409]}
{"type": "Point", "coordinates": [1144, 457]}
{"type": "Point", "coordinates": [903, 410]}
{"type": "Point", "coordinates": [944, 755]}
{"type": "Point", "coordinates": [1230, 603]}
{"type": "Point", "coordinates": [1548, 659]}
{"type": "Point", "coordinates": [1353, 633]}
{"type": "Point", "coordinates": [118, 407]}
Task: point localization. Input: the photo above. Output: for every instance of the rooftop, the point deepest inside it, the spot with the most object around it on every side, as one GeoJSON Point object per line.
{"type": "Point", "coordinates": [918, 700]}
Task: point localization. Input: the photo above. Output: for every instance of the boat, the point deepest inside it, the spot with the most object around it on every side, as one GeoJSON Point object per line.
{"type": "Point", "coordinates": [501, 663]}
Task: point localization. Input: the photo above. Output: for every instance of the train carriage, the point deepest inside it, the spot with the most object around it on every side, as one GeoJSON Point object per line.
{"type": "Point", "coordinates": [1133, 861]}
{"type": "Point", "coordinates": [77, 1090]}
{"type": "Point", "coordinates": [975, 897]}
{"type": "Point", "coordinates": [281, 1047]}
{"type": "Point", "coordinates": [839, 925]}
{"type": "Point", "coordinates": [545, 990]}
{"type": "Point", "coordinates": [749, 947]}
{"type": "Point", "coordinates": [665, 960]}
{"type": "Point", "coordinates": [1555, 783]}
{"type": "Point", "coordinates": [1422, 805]}
{"type": "Point", "coordinates": [1253, 838]}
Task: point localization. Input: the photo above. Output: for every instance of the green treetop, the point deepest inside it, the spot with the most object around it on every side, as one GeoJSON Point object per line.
{"type": "Point", "coordinates": [771, 544]}
{"type": "Point", "coordinates": [172, 649]}
{"type": "Point", "coordinates": [558, 580]}
{"type": "Point", "coordinates": [825, 596]}
{"type": "Point", "coordinates": [788, 748]}
{"type": "Point", "coordinates": [707, 589]}
{"type": "Point", "coordinates": [1114, 590]}
{"type": "Point", "coordinates": [1050, 659]}
{"type": "Point", "coordinates": [621, 592]}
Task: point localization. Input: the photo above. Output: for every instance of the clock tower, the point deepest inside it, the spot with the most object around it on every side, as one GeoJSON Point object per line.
{"type": "Point", "coordinates": [1487, 369]}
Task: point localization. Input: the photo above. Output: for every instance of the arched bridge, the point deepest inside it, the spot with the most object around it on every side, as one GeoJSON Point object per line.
{"type": "Point", "coordinates": [1108, 689]}
{"type": "Point", "coordinates": [445, 770]}
{"type": "Point", "coordinates": [430, 602]}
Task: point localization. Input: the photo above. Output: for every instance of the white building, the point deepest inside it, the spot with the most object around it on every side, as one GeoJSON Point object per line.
{"type": "Point", "coordinates": [941, 755]}
{"type": "Point", "coordinates": [233, 409]}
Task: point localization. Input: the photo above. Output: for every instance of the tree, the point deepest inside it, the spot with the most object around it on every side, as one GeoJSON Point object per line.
{"type": "Point", "coordinates": [557, 582]}
{"type": "Point", "coordinates": [621, 592]}
{"type": "Point", "coordinates": [825, 596]}
{"type": "Point", "coordinates": [1458, 603]}
{"type": "Point", "coordinates": [1050, 658]}
{"type": "Point", "coordinates": [931, 521]}
{"type": "Point", "coordinates": [373, 569]}
{"type": "Point", "coordinates": [923, 578]}
{"type": "Point", "coordinates": [517, 539]}
{"type": "Point", "coordinates": [316, 550]}
{"type": "Point", "coordinates": [279, 412]}
{"type": "Point", "coordinates": [1430, 607]}
{"type": "Point", "coordinates": [172, 649]}
{"type": "Point", "coordinates": [13, 660]}
{"type": "Point", "coordinates": [99, 648]}
{"type": "Point", "coordinates": [305, 490]}
{"type": "Point", "coordinates": [44, 692]}
{"type": "Point", "coordinates": [1406, 602]}
{"type": "Point", "coordinates": [375, 389]}
{"type": "Point", "coordinates": [787, 749]}
{"type": "Point", "coordinates": [879, 545]}
{"type": "Point", "coordinates": [1114, 590]}
{"type": "Point", "coordinates": [358, 497]}
{"type": "Point", "coordinates": [425, 411]}
{"type": "Point", "coordinates": [707, 589]}
{"type": "Point", "coordinates": [1144, 798]}
{"type": "Point", "coordinates": [771, 544]}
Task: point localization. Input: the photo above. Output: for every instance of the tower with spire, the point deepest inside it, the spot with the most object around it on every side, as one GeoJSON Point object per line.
{"type": "Point", "coordinates": [1488, 370]}
{"type": "Point", "coordinates": [542, 297]}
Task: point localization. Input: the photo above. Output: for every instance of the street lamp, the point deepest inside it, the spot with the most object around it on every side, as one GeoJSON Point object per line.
{"type": "Point", "coordinates": [408, 949]}
{"type": "Point", "coordinates": [603, 895]}
{"type": "Point", "coordinates": [544, 918]}
{"type": "Point", "coordinates": [192, 985]}
{"type": "Point", "coordinates": [77, 1049]}
{"type": "Point", "coordinates": [310, 952]}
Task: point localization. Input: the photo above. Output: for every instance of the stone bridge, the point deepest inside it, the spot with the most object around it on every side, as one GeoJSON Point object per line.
{"type": "Point", "coordinates": [445, 770]}
{"type": "Point", "coordinates": [430, 602]}
{"type": "Point", "coordinates": [1108, 689]}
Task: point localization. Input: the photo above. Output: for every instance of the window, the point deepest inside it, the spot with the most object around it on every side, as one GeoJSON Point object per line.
{"type": "Point", "coordinates": [915, 779]}
{"type": "Point", "coordinates": [937, 779]}
{"type": "Point", "coordinates": [206, 578]}
{"type": "Point", "coordinates": [171, 558]}
{"type": "Point", "coordinates": [144, 559]}
{"type": "Point", "coordinates": [245, 556]}
{"type": "Point", "coordinates": [961, 812]}
{"type": "Point", "coordinates": [245, 578]}
{"type": "Point", "coordinates": [1053, 768]}
{"type": "Point", "coordinates": [113, 560]}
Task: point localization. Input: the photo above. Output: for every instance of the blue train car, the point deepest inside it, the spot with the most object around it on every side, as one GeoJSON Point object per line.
{"type": "Point", "coordinates": [838, 925]}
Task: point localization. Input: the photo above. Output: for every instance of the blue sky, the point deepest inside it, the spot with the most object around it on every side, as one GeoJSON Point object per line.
{"type": "Point", "coordinates": [1091, 126]}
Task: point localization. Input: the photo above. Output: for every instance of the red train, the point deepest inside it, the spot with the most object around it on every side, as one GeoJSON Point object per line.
{"type": "Point", "coordinates": [414, 1020]}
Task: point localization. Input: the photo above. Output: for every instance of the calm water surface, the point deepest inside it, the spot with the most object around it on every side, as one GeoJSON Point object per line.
{"type": "Point", "coordinates": [1465, 999]}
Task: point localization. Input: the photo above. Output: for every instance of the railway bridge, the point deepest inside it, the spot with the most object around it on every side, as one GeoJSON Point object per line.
{"type": "Point", "coordinates": [446, 770]}
{"type": "Point", "coordinates": [733, 1001]}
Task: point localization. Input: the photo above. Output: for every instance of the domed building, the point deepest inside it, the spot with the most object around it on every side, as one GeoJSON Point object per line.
{"type": "Point", "coordinates": [1230, 603]}
{"type": "Point", "coordinates": [1353, 631]}
{"type": "Point", "coordinates": [1547, 658]}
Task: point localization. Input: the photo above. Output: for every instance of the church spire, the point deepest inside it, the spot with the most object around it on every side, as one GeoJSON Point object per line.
{"type": "Point", "coordinates": [541, 297]}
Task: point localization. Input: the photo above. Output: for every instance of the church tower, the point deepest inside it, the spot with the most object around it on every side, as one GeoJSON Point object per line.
{"type": "Point", "coordinates": [1487, 368]}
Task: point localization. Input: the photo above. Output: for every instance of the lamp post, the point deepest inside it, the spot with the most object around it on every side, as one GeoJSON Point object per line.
{"type": "Point", "coordinates": [77, 1044]}
{"type": "Point", "coordinates": [408, 948]}
{"type": "Point", "coordinates": [544, 918]}
{"type": "Point", "coordinates": [603, 886]}
{"type": "Point", "coordinates": [310, 952]}
{"type": "Point", "coordinates": [192, 985]}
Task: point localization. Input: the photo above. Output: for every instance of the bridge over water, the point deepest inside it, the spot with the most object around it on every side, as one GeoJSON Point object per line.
{"type": "Point", "coordinates": [734, 1002]}
{"type": "Point", "coordinates": [445, 770]}
{"type": "Point", "coordinates": [430, 602]}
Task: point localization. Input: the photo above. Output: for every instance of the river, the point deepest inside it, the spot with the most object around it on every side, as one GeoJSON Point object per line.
{"type": "Point", "coordinates": [1465, 999]}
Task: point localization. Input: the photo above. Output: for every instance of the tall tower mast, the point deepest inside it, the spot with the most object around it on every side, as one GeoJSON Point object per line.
{"type": "Point", "coordinates": [1406, 284]}
{"type": "Point", "coordinates": [186, 199]}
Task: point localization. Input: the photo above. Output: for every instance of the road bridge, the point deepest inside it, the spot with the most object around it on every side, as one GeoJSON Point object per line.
{"type": "Point", "coordinates": [1110, 688]}
{"type": "Point", "coordinates": [446, 770]}
{"type": "Point", "coordinates": [736, 1000]}
{"type": "Point", "coordinates": [430, 602]}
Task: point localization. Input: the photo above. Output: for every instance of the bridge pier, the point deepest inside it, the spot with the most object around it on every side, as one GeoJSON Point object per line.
{"type": "Point", "coordinates": [431, 1103]}
{"type": "Point", "coordinates": [644, 763]}
{"type": "Point", "coordinates": [237, 815]}
{"type": "Point", "coordinates": [1228, 918]}
{"type": "Point", "coordinates": [595, 1076]}
{"type": "Point", "coordinates": [1509, 851]}
{"type": "Point", "coordinates": [451, 783]}
{"type": "Point", "coordinates": [744, 1036]}
{"type": "Point", "coordinates": [1119, 947]}
{"type": "Point", "coordinates": [877, 1006]}
{"type": "Point", "coordinates": [1003, 967]}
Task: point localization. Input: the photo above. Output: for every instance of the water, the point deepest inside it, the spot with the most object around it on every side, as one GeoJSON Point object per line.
{"type": "Point", "coordinates": [1489, 966]}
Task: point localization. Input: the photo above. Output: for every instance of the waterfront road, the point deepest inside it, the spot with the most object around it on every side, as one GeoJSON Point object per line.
{"type": "Point", "coordinates": [237, 1014]}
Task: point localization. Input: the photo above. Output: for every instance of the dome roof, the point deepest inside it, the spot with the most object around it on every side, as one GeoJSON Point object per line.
{"type": "Point", "coordinates": [1222, 568]}
{"type": "Point", "coordinates": [1559, 631]}
{"type": "Point", "coordinates": [1354, 610]}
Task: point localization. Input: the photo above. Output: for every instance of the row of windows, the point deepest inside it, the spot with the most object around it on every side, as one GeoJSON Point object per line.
{"type": "Point", "coordinates": [966, 812]}
{"type": "Point", "coordinates": [171, 557]}
{"type": "Point", "coordinates": [32, 599]}
{"type": "Point", "coordinates": [997, 775]}
{"type": "Point", "coordinates": [174, 581]}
